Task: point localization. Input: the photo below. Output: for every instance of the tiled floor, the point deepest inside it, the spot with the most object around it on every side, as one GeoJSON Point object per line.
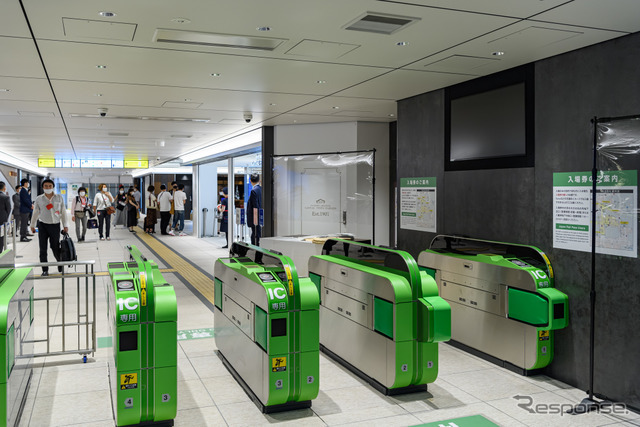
{"type": "Point", "coordinates": [67, 392]}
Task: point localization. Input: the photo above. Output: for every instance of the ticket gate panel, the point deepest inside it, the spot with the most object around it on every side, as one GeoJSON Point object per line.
{"type": "Point", "coordinates": [266, 327]}
{"type": "Point", "coordinates": [387, 311]}
{"type": "Point", "coordinates": [502, 298]}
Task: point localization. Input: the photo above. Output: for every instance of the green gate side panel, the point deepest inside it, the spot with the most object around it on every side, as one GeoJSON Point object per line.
{"type": "Point", "coordinates": [166, 304]}
{"type": "Point", "coordinates": [316, 281]}
{"type": "Point", "coordinates": [434, 320]}
{"type": "Point", "coordinates": [166, 393]}
{"type": "Point", "coordinates": [383, 317]}
{"type": "Point", "coordinates": [260, 327]}
{"type": "Point", "coordinates": [11, 349]}
{"type": "Point", "coordinates": [427, 363]}
{"type": "Point", "coordinates": [528, 307]}
{"type": "Point", "coordinates": [128, 415]}
{"type": "Point", "coordinates": [430, 271]}
{"type": "Point", "coordinates": [309, 375]}
{"type": "Point", "coordinates": [217, 297]}
{"type": "Point", "coordinates": [165, 344]}
{"type": "Point", "coordinates": [558, 307]}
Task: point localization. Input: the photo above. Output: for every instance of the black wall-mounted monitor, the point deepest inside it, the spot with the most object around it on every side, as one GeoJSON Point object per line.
{"type": "Point", "coordinates": [489, 122]}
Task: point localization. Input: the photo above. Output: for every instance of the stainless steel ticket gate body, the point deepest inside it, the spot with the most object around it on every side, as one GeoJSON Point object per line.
{"type": "Point", "coordinates": [266, 327]}
{"type": "Point", "coordinates": [379, 315]}
{"type": "Point", "coordinates": [504, 307]}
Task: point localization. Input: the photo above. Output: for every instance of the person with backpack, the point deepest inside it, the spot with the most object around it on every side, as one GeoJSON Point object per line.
{"type": "Point", "coordinates": [48, 213]}
{"type": "Point", "coordinates": [80, 212]}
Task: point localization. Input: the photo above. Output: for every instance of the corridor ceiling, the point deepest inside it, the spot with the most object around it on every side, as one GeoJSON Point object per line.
{"type": "Point", "coordinates": [176, 76]}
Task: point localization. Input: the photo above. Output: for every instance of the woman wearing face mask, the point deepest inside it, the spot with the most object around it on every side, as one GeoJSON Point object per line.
{"type": "Point", "coordinates": [132, 209]}
{"type": "Point", "coordinates": [121, 211]}
{"type": "Point", "coordinates": [79, 207]}
{"type": "Point", "coordinates": [101, 202]}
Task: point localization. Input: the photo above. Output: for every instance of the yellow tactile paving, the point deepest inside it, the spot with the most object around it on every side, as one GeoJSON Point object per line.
{"type": "Point", "coordinates": [195, 277]}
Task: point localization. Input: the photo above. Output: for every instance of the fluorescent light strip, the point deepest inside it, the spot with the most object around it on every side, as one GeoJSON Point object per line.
{"type": "Point", "coordinates": [221, 147]}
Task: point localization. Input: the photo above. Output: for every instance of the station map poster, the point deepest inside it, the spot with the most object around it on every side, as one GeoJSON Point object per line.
{"type": "Point", "coordinates": [616, 212]}
{"type": "Point", "coordinates": [418, 204]}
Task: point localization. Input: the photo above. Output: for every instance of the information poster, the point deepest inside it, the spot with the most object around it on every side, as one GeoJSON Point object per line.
{"type": "Point", "coordinates": [616, 212]}
{"type": "Point", "coordinates": [321, 208]}
{"type": "Point", "coordinates": [418, 204]}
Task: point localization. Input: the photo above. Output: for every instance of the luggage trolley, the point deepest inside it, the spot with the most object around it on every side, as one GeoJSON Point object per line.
{"type": "Point", "coordinates": [504, 304]}
{"type": "Point", "coordinates": [380, 315]}
{"type": "Point", "coordinates": [266, 327]}
{"type": "Point", "coordinates": [143, 370]}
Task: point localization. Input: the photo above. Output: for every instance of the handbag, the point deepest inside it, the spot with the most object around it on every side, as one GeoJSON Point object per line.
{"type": "Point", "coordinates": [92, 223]}
{"type": "Point", "coordinates": [110, 209]}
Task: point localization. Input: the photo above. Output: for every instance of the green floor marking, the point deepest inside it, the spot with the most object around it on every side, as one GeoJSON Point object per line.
{"type": "Point", "coordinates": [187, 334]}
{"type": "Point", "coordinates": [194, 334]}
{"type": "Point", "coordinates": [105, 342]}
{"type": "Point", "coordinates": [472, 421]}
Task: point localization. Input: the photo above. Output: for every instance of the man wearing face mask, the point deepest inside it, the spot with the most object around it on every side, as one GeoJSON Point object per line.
{"type": "Point", "coordinates": [48, 213]}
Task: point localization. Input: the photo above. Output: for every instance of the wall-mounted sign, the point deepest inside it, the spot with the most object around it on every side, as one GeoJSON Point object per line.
{"type": "Point", "coordinates": [418, 204]}
{"type": "Point", "coordinates": [616, 212]}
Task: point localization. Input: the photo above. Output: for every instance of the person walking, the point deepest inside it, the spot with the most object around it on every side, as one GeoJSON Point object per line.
{"type": "Point", "coordinates": [26, 207]}
{"type": "Point", "coordinates": [132, 209]}
{"type": "Point", "coordinates": [121, 204]}
{"type": "Point", "coordinates": [224, 208]}
{"type": "Point", "coordinates": [5, 211]}
{"type": "Point", "coordinates": [152, 211]}
{"type": "Point", "coordinates": [79, 213]}
{"type": "Point", "coordinates": [253, 209]}
{"type": "Point", "coordinates": [101, 204]}
{"type": "Point", "coordinates": [179, 197]}
{"type": "Point", "coordinates": [165, 200]}
{"type": "Point", "coordinates": [48, 213]}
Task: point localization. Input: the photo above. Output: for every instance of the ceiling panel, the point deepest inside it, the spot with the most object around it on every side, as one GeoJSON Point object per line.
{"type": "Point", "coordinates": [451, 41]}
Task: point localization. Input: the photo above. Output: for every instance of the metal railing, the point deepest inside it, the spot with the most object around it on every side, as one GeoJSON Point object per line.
{"type": "Point", "coordinates": [85, 320]}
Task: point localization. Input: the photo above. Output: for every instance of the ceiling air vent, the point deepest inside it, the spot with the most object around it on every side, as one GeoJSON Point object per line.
{"type": "Point", "coordinates": [380, 23]}
{"type": "Point", "coordinates": [216, 40]}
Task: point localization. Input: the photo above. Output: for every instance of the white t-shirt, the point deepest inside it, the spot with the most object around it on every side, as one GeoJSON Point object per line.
{"type": "Point", "coordinates": [179, 197]}
{"type": "Point", "coordinates": [164, 201]}
{"type": "Point", "coordinates": [101, 201]}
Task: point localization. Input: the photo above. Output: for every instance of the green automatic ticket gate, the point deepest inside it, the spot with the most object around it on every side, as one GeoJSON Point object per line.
{"type": "Point", "coordinates": [504, 304]}
{"type": "Point", "coordinates": [16, 336]}
{"type": "Point", "coordinates": [143, 316]}
{"type": "Point", "coordinates": [380, 315]}
{"type": "Point", "coordinates": [266, 327]}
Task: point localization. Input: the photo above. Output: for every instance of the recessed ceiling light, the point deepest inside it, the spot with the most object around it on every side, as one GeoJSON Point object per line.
{"type": "Point", "coordinates": [498, 53]}
{"type": "Point", "coordinates": [336, 108]}
{"type": "Point", "coordinates": [402, 43]}
{"type": "Point", "coordinates": [321, 81]}
{"type": "Point", "coordinates": [264, 28]}
{"type": "Point", "coordinates": [181, 20]}
{"type": "Point", "coordinates": [392, 115]}
{"type": "Point", "coordinates": [5, 90]}
{"type": "Point", "coordinates": [107, 14]}
{"type": "Point", "coordinates": [161, 143]}
{"type": "Point", "coordinates": [98, 94]}
{"type": "Point", "coordinates": [101, 66]}
{"type": "Point", "coordinates": [187, 99]}
{"type": "Point", "coordinates": [215, 74]}
{"type": "Point", "coordinates": [272, 104]}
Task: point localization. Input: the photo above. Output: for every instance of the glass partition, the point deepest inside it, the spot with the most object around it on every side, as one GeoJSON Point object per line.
{"type": "Point", "coordinates": [324, 194]}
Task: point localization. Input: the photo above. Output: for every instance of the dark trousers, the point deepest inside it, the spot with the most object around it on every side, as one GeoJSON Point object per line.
{"type": "Point", "coordinates": [24, 224]}
{"type": "Point", "coordinates": [102, 217]}
{"type": "Point", "coordinates": [49, 233]}
{"type": "Point", "coordinates": [255, 235]}
{"type": "Point", "coordinates": [17, 217]}
{"type": "Point", "coordinates": [165, 218]}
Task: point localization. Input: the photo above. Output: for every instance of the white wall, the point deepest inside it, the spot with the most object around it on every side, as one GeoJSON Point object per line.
{"type": "Point", "coordinates": [336, 137]}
